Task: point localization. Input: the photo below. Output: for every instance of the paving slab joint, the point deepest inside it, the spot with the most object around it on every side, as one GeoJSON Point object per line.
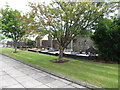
{"type": "Point", "coordinates": [89, 86]}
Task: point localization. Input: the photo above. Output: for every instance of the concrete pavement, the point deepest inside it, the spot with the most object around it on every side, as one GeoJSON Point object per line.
{"type": "Point", "coordinates": [14, 74]}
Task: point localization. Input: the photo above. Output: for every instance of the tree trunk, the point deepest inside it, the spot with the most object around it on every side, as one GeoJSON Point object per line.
{"type": "Point", "coordinates": [15, 49]}
{"type": "Point", "coordinates": [25, 44]}
{"type": "Point", "coordinates": [15, 46]}
{"type": "Point", "coordinates": [61, 49]}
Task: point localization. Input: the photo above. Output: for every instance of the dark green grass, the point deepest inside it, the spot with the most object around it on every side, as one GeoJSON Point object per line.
{"type": "Point", "coordinates": [99, 74]}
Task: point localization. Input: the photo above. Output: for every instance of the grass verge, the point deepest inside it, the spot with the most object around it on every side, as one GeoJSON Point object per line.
{"type": "Point", "coordinates": [99, 74]}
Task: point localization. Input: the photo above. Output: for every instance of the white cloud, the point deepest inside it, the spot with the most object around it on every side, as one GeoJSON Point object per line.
{"type": "Point", "coordinates": [20, 4]}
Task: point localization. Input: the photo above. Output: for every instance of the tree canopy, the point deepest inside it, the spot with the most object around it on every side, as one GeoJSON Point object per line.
{"type": "Point", "coordinates": [107, 38]}
{"type": "Point", "coordinates": [66, 20]}
{"type": "Point", "coordinates": [11, 24]}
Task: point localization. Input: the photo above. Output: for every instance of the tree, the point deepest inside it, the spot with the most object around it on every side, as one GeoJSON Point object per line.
{"type": "Point", "coordinates": [107, 38]}
{"type": "Point", "coordinates": [11, 24]}
{"type": "Point", "coordinates": [2, 37]}
{"type": "Point", "coordinates": [66, 20]}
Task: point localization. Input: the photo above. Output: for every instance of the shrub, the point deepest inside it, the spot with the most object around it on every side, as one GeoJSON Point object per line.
{"type": "Point", "coordinates": [107, 38]}
{"type": "Point", "coordinates": [30, 43]}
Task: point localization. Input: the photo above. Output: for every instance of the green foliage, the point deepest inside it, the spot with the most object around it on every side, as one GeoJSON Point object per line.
{"type": "Point", "coordinates": [11, 25]}
{"type": "Point", "coordinates": [107, 38]}
{"type": "Point", "coordinates": [66, 20]}
{"type": "Point", "coordinates": [2, 37]}
{"type": "Point", "coordinates": [30, 43]}
{"type": "Point", "coordinates": [38, 37]}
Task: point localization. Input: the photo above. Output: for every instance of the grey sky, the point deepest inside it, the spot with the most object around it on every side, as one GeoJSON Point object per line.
{"type": "Point", "coordinates": [20, 4]}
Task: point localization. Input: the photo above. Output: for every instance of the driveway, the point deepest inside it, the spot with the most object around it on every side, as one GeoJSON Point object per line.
{"type": "Point", "coordinates": [14, 74]}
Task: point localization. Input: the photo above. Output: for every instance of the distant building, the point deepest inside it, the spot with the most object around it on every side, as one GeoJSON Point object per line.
{"type": "Point", "coordinates": [81, 43]}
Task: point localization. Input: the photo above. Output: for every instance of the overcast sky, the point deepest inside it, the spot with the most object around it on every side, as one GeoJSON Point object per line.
{"type": "Point", "coordinates": [20, 4]}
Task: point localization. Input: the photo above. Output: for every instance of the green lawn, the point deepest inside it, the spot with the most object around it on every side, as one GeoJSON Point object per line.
{"type": "Point", "coordinates": [99, 74]}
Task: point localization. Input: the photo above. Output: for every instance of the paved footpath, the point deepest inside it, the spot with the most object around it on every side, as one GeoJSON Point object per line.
{"type": "Point", "coordinates": [14, 74]}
